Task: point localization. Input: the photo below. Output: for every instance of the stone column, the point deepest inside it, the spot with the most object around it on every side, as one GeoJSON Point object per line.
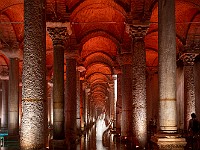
{"type": "Point", "coordinates": [111, 97]}
{"type": "Point", "coordinates": [80, 111]}
{"type": "Point", "coordinates": [13, 98]}
{"type": "Point", "coordinates": [119, 104]}
{"type": "Point", "coordinates": [115, 101]}
{"type": "Point", "coordinates": [167, 66]}
{"type": "Point", "coordinates": [32, 135]}
{"type": "Point", "coordinates": [87, 90]}
{"type": "Point", "coordinates": [78, 117]}
{"type": "Point", "coordinates": [138, 33]}
{"type": "Point", "coordinates": [59, 36]}
{"type": "Point", "coordinates": [70, 100]}
{"type": "Point", "coordinates": [82, 108]}
{"type": "Point", "coordinates": [4, 119]}
{"type": "Point", "coordinates": [126, 87]}
{"type": "Point", "coordinates": [189, 86]}
{"type": "Point", "coordinates": [167, 78]}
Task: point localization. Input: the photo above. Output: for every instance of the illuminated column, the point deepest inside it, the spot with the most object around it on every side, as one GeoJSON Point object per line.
{"type": "Point", "coordinates": [139, 84]}
{"type": "Point", "coordinates": [70, 100]}
{"type": "Point", "coordinates": [4, 119]}
{"type": "Point", "coordinates": [111, 95]}
{"type": "Point", "coordinates": [82, 105]}
{"type": "Point", "coordinates": [167, 66]}
{"type": "Point", "coordinates": [126, 87]}
{"type": "Point", "coordinates": [59, 36]}
{"type": "Point", "coordinates": [80, 94]}
{"type": "Point", "coordinates": [119, 104]}
{"type": "Point", "coordinates": [13, 98]}
{"type": "Point", "coordinates": [78, 117]}
{"type": "Point", "coordinates": [115, 101]}
{"type": "Point", "coordinates": [189, 86]}
{"type": "Point", "coordinates": [32, 135]}
{"type": "Point", "coordinates": [87, 90]}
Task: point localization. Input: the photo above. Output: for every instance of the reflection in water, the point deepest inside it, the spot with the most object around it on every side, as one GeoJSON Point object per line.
{"type": "Point", "coordinates": [100, 129]}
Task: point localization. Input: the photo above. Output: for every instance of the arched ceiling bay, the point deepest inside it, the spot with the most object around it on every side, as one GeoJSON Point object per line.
{"type": "Point", "coordinates": [99, 44]}
{"type": "Point", "coordinates": [102, 15]}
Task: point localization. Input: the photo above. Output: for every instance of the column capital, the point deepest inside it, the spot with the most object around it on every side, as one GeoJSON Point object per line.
{"type": "Point", "coordinates": [137, 31]}
{"type": "Point", "coordinates": [59, 35]}
{"type": "Point", "coordinates": [188, 58]}
{"type": "Point", "coordinates": [125, 59]}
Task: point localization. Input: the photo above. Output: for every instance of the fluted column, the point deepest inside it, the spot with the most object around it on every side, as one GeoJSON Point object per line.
{"type": "Point", "coordinates": [167, 65]}
{"type": "Point", "coordinates": [13, 98]}
{"type": "Point", "coordinates": [127, 113]}
{"type": "Point", "coordinates": [139, 83]}
{"type": "Point", "coordinates": [71, 100]}
{"type": "Point", "coordinates": [32, 135]}
{"type": "Point", "coordinates": [4, 119]}
{"type": "Point", "coordinates": [189, 86]}
{"type": "Point", "coordinates": [59, 36]}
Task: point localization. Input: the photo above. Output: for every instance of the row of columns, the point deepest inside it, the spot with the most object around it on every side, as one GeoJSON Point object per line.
{"type": "Point", "coordinates": [133, 101]}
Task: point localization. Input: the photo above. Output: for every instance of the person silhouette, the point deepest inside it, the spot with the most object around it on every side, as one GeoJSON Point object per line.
{"type": "Point", "coordinates": [193, 130]}
{"type": "Point", "coordinates": [194, 125]}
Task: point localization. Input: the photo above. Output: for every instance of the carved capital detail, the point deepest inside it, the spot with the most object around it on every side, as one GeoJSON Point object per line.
{"type": "Point", "coordinates": [59, 35]}
{"type": "Point", "coordinates": [137, 32]}
{"type": "Point", "coordinates": [188, 58]}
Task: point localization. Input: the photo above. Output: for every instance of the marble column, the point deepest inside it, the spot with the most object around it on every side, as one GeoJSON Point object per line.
{"type": "Point", "coordinates": [111, 97]}
{"type": "Point", "coordinates": [78, 117]}
{"type": "Point", "coordinates": [4, 119]}
{"type": "Point", "coordinates": [138, 33]}
{"type": "Point", "coordinates": [119, 105]}
{"type": "Point", "coordinates": [167, 65]}
{"type": "Point", "coordinates": [115, 101]}
{"type": "Point", "coordinates": [168, 137]}
{"type": "Point", "coordinates": [32, 135]}
{"type": "Point", "coordinates": [70, 101]}
{"type": "Point", "coordinates": [59, 36]}
{"type": "Point", "coordinates": [13, 98]}
{"type": "Point", "coordinates": [125, 61]}
{"type": "Point", "coordinates": [189, 86]}
{"type": "Point", "coordinates": [87, 90]}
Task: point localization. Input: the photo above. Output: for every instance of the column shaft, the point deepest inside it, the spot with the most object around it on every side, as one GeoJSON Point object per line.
{"type": "Point", "coordinates": [127, 109]}
{"type": "Point", "coordinates": [71, 104]}
{"type": "Point", "coordinates": [189, 93]}
{"type": "Point", "coordinates": [189, 86]}
{"type": "Point", "coordinates": [34, 76]}
{"type": "Point", "coordinates": [138, 32]}
{"type": "Point", "coordinates": [119, 104]}
{"type": "Point", "coordinates": [4, 120]}
{"type": "Point", "coordinates": [78, 117]}
{"type": "Point", "coordinates": [13, 98]}
{"type": "Point", "coordinates": [167, 66]}
{"type": "Point", "coordinates": [139, 93]}
{"type": "Point", "coordinates": [58, 93]}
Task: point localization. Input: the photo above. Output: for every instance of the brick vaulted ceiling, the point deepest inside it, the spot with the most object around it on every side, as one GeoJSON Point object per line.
{"type": "Point", "coordinates": [99, 28]}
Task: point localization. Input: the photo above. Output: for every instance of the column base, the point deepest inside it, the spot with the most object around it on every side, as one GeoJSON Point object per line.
{"type": "Point", "coordinates": [57, 144]}
{"type": "Point", "coordinates": [164, 141]}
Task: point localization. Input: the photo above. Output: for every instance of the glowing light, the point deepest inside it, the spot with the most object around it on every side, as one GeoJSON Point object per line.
{"type": "Point", "coordinates": [100, 127]}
